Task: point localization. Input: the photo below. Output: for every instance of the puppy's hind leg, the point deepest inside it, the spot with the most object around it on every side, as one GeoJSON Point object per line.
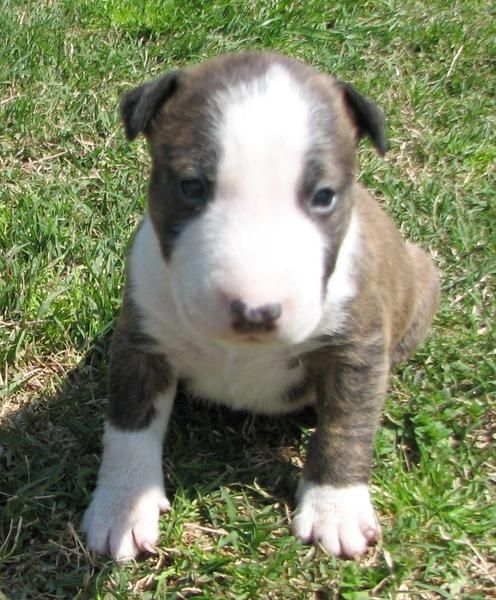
{"type": "Point", "coordinates": [427, 298]}
{"type": "Point", "coordinates": [123, 516]}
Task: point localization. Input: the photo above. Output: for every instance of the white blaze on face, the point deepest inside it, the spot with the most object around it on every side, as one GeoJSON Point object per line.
{"type": "Point", "coordinates": [253, 242]}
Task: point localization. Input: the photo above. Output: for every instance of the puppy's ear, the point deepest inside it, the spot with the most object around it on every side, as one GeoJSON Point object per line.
{"type": "Point", "coordinates": [368, 118]}
{"type": "Point", "coordinates": [140, 105]}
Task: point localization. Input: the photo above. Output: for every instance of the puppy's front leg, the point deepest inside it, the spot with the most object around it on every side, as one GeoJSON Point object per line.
{"type": "Point", "coordinates": [123, 516]}
{"type": "Point", "coordinates": [334, 507]}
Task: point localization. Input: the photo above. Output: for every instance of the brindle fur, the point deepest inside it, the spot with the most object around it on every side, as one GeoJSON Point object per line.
{"type": "Point", "coordinates": [388, 319]}
{"type": "Point", "coordinates": [138, 373]}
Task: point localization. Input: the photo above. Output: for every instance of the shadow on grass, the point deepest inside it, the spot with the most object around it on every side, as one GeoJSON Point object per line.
{"type": "Point", "coordinates": [49, 460]}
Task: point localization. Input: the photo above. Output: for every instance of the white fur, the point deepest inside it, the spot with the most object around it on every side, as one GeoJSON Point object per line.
{"type": "Point", "coordinates": [264, 134]}
{"type": "Point", "coordinates": [341, 287]}
{"type": "Point", "coordinates": [253, 242]}
{"type": "Point", "coordinates": [251, 376]}
{"type": "Point", "coordinates": [342, 520]}
{"type": "Point", "coordinates": [123, 515]}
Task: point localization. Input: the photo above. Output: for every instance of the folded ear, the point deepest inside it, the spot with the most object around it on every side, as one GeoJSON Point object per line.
{"type": "Point", "coordinates": [140, 105]}
{"type": "Point", "coordinates": [368, 118]}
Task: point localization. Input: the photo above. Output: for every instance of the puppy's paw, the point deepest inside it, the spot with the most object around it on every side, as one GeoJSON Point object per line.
{"type": "Point", "coordinates": [341, 520]}
{"type": "Point", "coordinates": [123, 522]}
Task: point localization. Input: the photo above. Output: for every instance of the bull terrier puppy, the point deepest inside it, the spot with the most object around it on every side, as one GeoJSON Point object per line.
{"type": "Point", "coordinates": [265, 278]}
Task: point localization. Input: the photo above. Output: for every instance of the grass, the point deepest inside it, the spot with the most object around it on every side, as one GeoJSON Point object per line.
{"type": "Point", "coordinates": [71, 193]}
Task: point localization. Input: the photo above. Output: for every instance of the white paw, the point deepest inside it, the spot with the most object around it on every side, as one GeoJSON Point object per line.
{"type": "Point", "coordinates": [124, 522]}
{"type": "Point", "coordinates": [341, 520]}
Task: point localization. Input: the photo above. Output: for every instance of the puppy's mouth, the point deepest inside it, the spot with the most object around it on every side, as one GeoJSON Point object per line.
{"type": "Point", "coordinates": [259, 321]}
{"type": "Point", "coordinates": [253, 339]}
{"type": "Point", "coordinates": [243, 335]}
{"type": "Point", "coordinates": [244, 327]}
{"type": "Point", "coordinates": [251, 335]}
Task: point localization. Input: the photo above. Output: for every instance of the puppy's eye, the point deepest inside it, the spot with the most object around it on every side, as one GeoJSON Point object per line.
{"type": "Point", "coordinates": [323, 201]}
{"type": "Point", "coordinates": [194, 192]}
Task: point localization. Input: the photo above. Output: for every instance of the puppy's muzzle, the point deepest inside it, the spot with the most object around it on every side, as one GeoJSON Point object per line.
{"type": "Point", "coordinates": [260, 319]}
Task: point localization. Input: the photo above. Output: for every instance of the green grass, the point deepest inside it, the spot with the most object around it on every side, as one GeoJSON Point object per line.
{"type": "Point", "coordinates": [71, 192]}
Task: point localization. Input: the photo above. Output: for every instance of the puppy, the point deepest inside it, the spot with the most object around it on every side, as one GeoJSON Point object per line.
{"type": "Point", "coordinates": [265, 278]}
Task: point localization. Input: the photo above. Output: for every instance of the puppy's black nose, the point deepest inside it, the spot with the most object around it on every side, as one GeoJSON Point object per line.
{"type": "Point", "coordinates": [261, 318]}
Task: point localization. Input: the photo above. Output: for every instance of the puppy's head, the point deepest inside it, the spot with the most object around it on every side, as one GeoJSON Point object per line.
{"type": "Point", "coordinates": [253, 160]}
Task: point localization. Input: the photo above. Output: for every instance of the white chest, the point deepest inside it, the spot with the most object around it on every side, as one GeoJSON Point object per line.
{"type": "Point", "coordinates": [254, 379]}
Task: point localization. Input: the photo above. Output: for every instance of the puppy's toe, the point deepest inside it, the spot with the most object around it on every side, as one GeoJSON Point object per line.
{"type": "Point", "coordinates": [341, 520]}
{"type": "Point", "coordinates": [124, 522]}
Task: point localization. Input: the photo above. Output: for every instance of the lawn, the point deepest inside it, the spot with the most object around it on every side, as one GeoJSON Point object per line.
{"type": "Point", "coordinates": [71, 192]}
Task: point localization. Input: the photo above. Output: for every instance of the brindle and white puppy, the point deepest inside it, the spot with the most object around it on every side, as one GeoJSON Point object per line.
{"type": "Point", "coordinates": [266, 278]}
